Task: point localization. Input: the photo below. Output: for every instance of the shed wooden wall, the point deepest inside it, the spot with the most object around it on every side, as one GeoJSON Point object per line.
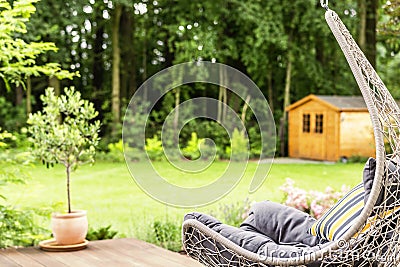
{"type": "Point", "coordinates": [313, 145]}
{"type": "Point", "coordinates": [356, 135]}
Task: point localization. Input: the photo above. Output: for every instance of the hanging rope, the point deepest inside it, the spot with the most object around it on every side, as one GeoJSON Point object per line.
{"type": "Point", "coordinates": [324, 4]}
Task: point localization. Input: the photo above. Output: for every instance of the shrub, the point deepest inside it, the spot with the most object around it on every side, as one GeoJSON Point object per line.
{"type": "Point", "coordinates": [312, 202]}
{"type": "Point", "coordinates": [214, 131]}
{"type": "Point", "coordinates": [191, 151]}
{"type": "Point", "coordinates": [208, 151]}
{"type": "Point", "coordinates": [238, 150]}
{"type": "Point", "coordinates": [114, 153]}
{"type": "Point", "coordinates": [154, 148]}
{"type": "Point", "coordinates": [17, 227]}
{"type": "Point", "coordinates": [233, 213]}
{"type": "Point", "coordinates": [167, 235]}
{"type": "Point", "coordinates": [101, 233]}
{"type": "Point", "coordinates": [12, 118]}
{"type": "Point", "coordinates": [357, 159]}
{"type": "Point", "coordinates": [255, 142]}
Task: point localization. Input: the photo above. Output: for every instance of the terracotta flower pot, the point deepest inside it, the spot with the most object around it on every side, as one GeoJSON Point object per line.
{"type": "Point", "coordinates": [69, 228]}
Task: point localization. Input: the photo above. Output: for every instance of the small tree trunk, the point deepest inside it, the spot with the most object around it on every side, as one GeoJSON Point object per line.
{"type": "Point", "coordinates": [220, 95]}
{"type": "Point", "coordinates": [19, 95]}
{"type": "Point", "coordinates": [28, 96]}
{"type": "Point", "coordinates": [362, 10]}
{"type": "Point", "coordinates": [245, 106]}
{"type": "Point", "coordinates": [144, 66]}
{"type": "Point", "coordinates": [116, 59]}
{"type": "Point", "coordinates": [286, 102]}
{"type": "Point", "coordinates": [55, 83]}
{"type": "Point", "coordinates": [270, 92]}
{"type": "Point", "coordinates": [97, 67]}
{"type": "Point", "coordinates": [68, 170]}
{"type": "Point", "coordinates": [176, 117]}
{"type": "Point", "coordinates": [225, 106]}
{"type": "Point", "coordinates": [370, 33]}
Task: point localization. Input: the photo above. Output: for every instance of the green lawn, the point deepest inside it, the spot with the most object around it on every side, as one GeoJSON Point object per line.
{"type": "Point", "coordinates": [110, 195]}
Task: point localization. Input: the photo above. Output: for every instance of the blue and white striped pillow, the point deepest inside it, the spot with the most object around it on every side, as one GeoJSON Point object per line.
{"type": "Point", "coordinates": [338, 219]}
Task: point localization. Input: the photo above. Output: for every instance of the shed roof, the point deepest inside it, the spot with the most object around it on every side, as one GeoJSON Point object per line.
{"type": "Point", "coordinates": [339, 103]}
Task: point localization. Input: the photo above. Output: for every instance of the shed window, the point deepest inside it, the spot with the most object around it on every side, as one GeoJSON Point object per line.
{"type": "Point", "coordinates": [319, 123]}
{"type": "Point", "coordinates": [306, 123]}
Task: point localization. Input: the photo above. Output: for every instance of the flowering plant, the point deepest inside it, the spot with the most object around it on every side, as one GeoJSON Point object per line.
{"type": "Point", "coordinates": [312, 202]}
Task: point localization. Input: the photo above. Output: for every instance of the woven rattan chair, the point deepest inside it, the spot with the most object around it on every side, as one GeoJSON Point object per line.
{"type": "Point", "coordinates": [376, 247]}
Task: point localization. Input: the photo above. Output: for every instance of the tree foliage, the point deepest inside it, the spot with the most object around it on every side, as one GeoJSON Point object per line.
{"type": "Point", "coordinates": [117, 45]}
{"type": "Point", "coordinates": [18, 57]}
{"type": "Point", "coordinates": [389, 27]}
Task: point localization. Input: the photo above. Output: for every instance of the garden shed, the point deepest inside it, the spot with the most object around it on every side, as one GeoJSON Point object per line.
{"type": "Point", "coordinates": [330, 128]}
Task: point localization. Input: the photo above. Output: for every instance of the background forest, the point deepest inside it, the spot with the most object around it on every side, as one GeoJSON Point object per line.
{"type": "Point", "coordinates": [107, 48]}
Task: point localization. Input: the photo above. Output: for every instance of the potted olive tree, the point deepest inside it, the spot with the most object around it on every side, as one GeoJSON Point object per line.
{"type": "Point", "coordinates": [64, 132]}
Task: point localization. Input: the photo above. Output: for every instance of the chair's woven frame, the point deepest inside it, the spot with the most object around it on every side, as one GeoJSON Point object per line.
{"type": "Point", "coordinates": [379, 246]}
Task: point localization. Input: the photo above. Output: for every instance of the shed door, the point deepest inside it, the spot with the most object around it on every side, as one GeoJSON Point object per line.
{"type": "Point", "coordinates": [313, 134]}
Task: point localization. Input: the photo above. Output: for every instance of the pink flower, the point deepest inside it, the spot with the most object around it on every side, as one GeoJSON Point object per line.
{"type": "Point", "coordinates": [312, 202]}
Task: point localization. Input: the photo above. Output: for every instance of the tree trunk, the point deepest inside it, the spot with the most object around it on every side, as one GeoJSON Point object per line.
{"type": "Point", "coordinates": [19, 95]}
{"type": "Point", "coordinates": [144, 67]}
{"type": "Point", "coordinates": [225, 96]}
{"type": "Point", "coordinates": [370, 33]}
{"type": "Point", "coordinates": [222, 95]}
{"type": "Point", "coordinates": [362, 11]}
{"type": "Point", "coordinates": [55, 83]}
{"type": "Point", "coordinates": [128, 66]}
{"type": "Point", "coordinates": [98, 42]}
{"type": "Point", "coordinates": [132, 75]}
{"type": "Point", "coordinates": [245, 106]}
{"type": "Point", "coordinates": [116, 59]}
{"type": "Point", "coordinates": [68, 171]}
{"type": "Point", "coordinates": [286, 102]}
{"type": "Point", "coordinates": [28, 95]}
{"type": "Point", "coordinates": [176, 117]}
{"type": "Point", "coordinates": [270, 92]}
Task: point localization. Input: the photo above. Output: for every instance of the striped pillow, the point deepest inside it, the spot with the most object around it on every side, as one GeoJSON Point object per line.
{"type": "Point", "coordinates": [338, 219]}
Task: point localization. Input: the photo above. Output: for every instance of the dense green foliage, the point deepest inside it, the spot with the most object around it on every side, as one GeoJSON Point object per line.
{"type": "Point", "coordinates": [18, 226]}
{"type": "Point", "coordinates": [166, 234]}
{"type": "Point", "coordinates": [18, 57]}
{"type": "Point", "coordinates": [285, 47]}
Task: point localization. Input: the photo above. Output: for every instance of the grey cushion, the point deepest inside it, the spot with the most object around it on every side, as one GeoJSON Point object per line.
{"type": "Point", "coordinates": [393, 172]}
{"type": "Point", "coordinates": [368, 177]}
{"type": "Point", "coordinates": [271, 229]}
{"type": "Point", "coordinates": [285, 225]}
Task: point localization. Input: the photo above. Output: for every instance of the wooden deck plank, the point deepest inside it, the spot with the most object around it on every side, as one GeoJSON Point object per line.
{"type": "Point", "coordinates": [114, 252]}
{"type": "Point", "coordinates": [139, 254]}
{"type": "Point", "coordinates": [183, 260]}
{"type": "Point", "coordinates": [5, 261]}
{"type": "Point", "coordinates": [69, 259]}
{"type": "Point", "coordinates": [20, 258]}
{"type": "Point", "coordinates": [43, 258]}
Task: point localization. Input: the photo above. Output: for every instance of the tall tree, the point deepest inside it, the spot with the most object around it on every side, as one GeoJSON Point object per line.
{"type": "Point", "coordinates": [367, 10]}
{"type": "Point", "coordinates": [18, 57]}
{"type": "Point", "coordinates": [116, 59]}
{"type": "Point", "coordinates": [370, 33]}
{"type": "Point", "coordinates": [128, 52]}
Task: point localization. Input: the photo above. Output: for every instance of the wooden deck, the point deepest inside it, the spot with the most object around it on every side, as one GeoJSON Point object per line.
{"type": "Point", "coordinates": [114, 252]}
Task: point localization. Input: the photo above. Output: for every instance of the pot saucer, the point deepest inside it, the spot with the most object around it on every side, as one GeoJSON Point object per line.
{"type": "Point", "coordinates": [51, 245]}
